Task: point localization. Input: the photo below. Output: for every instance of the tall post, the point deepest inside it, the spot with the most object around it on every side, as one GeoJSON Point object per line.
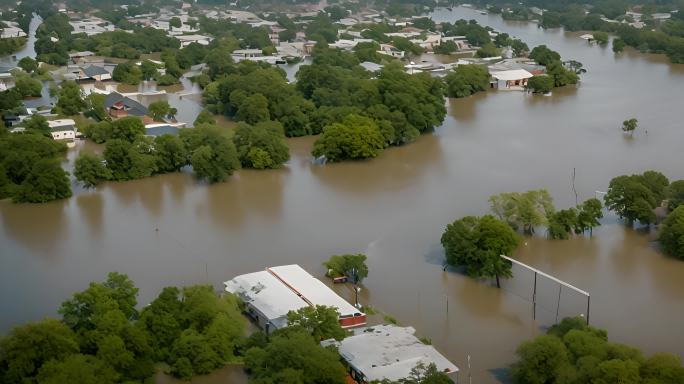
{"type": "Point", "coordinates": [534, 298]}
{"type": "Point", "coordinates": [560, 288]}
{"type": "Point", "coordinates": [588, 303]}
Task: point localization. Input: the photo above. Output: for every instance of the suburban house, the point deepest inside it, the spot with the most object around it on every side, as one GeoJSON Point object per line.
{"type": "Point", "coordinates": [94, 72]}
{"type": "Point", "coordinates": [92, 26]}
{"type": "Point", "coordinates": [387, 49]}
{"type": "Point", "coordinates": [62, 129]}
{"type": "Point", "coordinates": [158, 129]}
{"type": "Point", "coordinates": [270, 294]}
{"type": "Point", "coordinates": [189, 39]}
{"type": "Point", "coordinates": [7, 79]}
{"type": "Point", "coordinates": [11, 30]}
{"type": "Point", "coordinates": [510, 79]}
{"type": "Point", "coordinates": [77, 57]}
{"type": "Point", "coordinates": [118, 105]}
{"type": "Point", "coordinates": [388, 352]}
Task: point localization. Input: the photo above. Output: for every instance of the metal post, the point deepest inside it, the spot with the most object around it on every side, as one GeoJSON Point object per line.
{"type": "Point", "coordinates": [560, 288]}
{"type": "Point", "coordinates": [534, 298]}
{"type": "Point", "coordinates": [588, 304]}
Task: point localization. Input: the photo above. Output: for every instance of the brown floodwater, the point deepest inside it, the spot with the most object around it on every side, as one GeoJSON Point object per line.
{"type": "Point", "coordinates": [173, 230]}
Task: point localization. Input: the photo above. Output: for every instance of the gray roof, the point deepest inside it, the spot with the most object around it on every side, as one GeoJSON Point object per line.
{"type": "Point", "coordinates": [161, 130]}
{"type": "Point", "coordinates": [390, 352]}
{"type": "Point", "coordinates": [134, 107]}
{"type": "Point", "coordinates": [94, 70]}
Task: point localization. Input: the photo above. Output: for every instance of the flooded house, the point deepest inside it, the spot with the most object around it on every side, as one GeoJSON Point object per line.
{"type": "Point", "coordinates": [117, 105]}
{"type": "Point", "coordinates": [270, 294]}
{"type": "Point", "coordinates": [388, 352]}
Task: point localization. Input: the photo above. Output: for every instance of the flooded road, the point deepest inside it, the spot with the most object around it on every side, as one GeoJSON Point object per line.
{"type": "Point", "coordinates": [394, 209]}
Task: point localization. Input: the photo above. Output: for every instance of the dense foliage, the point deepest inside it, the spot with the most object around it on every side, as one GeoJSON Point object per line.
{"type": "Point", "coordinates": [477, 244]}
{"type": "Point", "coordinates": [352, 266]}
{"type": "Point", "coordinates": [102, 338]}
{"type": "Point", "coordinates": [466, 80]}
{"type": "Point", "coordinates": [575, 353]}
{"type": "Point", "coordinates": [672, 233]}
{"type": "Point", "coordinates": [356, 137]}
{"type": "Point", "coordinates": [634, 197]}
{"type": "Point", "coordinates": [523, 210]}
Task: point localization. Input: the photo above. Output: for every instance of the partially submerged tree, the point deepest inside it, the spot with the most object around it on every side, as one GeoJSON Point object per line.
{"type": "Point", "coordinates": [342, 265]}
{"type": "Point", "coordinates": [629, 126]}
{"type": "Point", "coordinates": [672, 233]}
{"type": "Point", "coordinates": [321, 322]}
{"type": "Point", "coordinates": [526, 210]}
{"type": "Point", "coordinates": [477, 244]}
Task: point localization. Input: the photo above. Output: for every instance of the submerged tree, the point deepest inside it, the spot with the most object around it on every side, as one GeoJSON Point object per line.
{"type": "Point", "coordinates": [477, 244]}
{"type": "Point", "coordinates": [629, 126]}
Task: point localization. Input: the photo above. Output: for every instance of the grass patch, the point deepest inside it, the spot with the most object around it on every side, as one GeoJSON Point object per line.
{"type": "Point", "coordinates": [425, 340]}
{"type": "Point", "coordinates": [368, 310]}
{"type": "Point", "coordinates": [390, 319]}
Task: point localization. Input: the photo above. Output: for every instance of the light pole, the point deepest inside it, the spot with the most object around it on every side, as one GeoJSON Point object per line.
{"type": "Point", "coordinates": [355, 280]}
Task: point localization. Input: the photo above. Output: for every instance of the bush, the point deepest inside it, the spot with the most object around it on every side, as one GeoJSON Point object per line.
{"type": "Point", "coordinates": [672, 233]}
{"type": "Point", "coordinates": [540, 84]}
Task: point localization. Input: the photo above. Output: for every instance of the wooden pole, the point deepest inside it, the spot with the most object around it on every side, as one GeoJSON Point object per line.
{"type": "Point", "coordinates": [534, 298]}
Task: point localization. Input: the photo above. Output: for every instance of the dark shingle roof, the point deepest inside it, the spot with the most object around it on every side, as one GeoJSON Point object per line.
{"type": "Point", "coordinates": [134, 107]}
{"type": "Point", "coordinates": [94, 70]}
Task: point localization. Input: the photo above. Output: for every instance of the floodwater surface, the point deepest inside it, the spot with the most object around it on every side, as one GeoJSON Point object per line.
{"type": "Point", "coordinates": [173, 230]}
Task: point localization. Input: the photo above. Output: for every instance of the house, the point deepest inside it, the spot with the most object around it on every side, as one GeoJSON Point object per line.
{"type": "Point", "coordinates": [158, 129]}
{"type": "Point", "coordinates": [76, 57]}
{"type": "Point", "coordinates": [270, 294]}
{"type": "Point", "coordinates": [387, 49]}
{"type": "Point", "coordinates": [241, 54]}
{"type": "Point", "coordinates": [62, 129]}
{"type": "Point", "coordinates": [11, 30]}
{"type": "Point", "coordinates": [189, 39]}
{"type": "Point", "coordinates": [94, 72]}
{"type": "Point", "coordinates": [118, 105]}
{"type": "Point", "coordinates": [511, 79]}
{"type": "Point", "coordinates": [7, 79]}
{"type": "Point", "coordinates": [388, 352]}
{"type": "Point", "coordinates": [91, 27]}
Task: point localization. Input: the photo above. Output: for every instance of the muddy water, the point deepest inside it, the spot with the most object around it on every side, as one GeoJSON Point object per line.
{"type": "Point", "coordinates": [394, 209]}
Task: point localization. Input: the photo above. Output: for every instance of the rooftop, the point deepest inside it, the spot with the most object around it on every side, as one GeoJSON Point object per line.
{"type": "Point", "coordinates": [312, 289]}
{"type": "Point", "coordinates": [390, 352]}
{"type": "Point", "coordinates": [510, 75]}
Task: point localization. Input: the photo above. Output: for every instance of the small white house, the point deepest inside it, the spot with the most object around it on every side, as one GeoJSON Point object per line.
{"type": "Point", "coordinates": [62, 129]}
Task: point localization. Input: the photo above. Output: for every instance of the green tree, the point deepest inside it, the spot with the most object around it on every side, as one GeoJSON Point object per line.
{"type": "Point", "coordinates": [128, 73]}
{"type": "Point", "coordinates": [541, 360]}
{"type": "Point", "coordinates": [632, 199]}
{"type": "Point", "coordinates": [466, 80]}
{"type": "Point", "coordinates": [488, 50]}
{"type": "Point", "coordinates": [629, 126]}
{"type": "Point", "coordinates": [590, 212]}
{"type": "Point", "coordinates": [672, 233]}
{"type": "Point", "coordinates": [321, 322]}
{"type": "Point", "coordinates": [477, 244]}
{"type": "Point", "coordinates": [95, 105]}
{"type": "Point", "coordinates": [45, 182]}
{"type": "Point", "coordinates": [562, 223]}
{"type": "Point", "coordinates": [342, 265]}
{"type": "Point", "coordinates": [28, 64]}
{"type": "Point", "coordinates": [540, 84]}
{"type": "Point", "coordinates": [212, 155]}
{"type": "Point", "coordinates": [262, 145]}
{"type": "Point", "coordinates": [294, 354]}
{"type": "Point", "coordinates": [601, 37]}
{"type": "Point", "coordinates": [205, 117]}
{"type": "Point", "coordinates": [128, 128]}
{"type": "Point", "coordinates": [78, 368]}
{"type": "Point", "coordinates": [148, 70]}
{"type": "Point", "coordinates": [175, 22]}
{"type": "Point", "coordinates": [170, 153]}
{"type": "Point", "coordinates": [543, 55]}
{"type": "Point", "coordinates": [662, 368]}
{"type": "Point", "coordinates": [675, 195]}
{"type": "Point", "coordinates": [129, 161]}
{"type": "Point", "coordinates": [158, 110]}
{"type": "Point", "coordinates": [618, 45]}
{"type": "Point", "coordinates": [356, 137]}
{"type": "Point", "coordinates": [90, 170]}
{"type": "Point", "coordinates": [28, 347]}
{"type": "Point", "coordinates": [70, 99]}
{"type": "Point", "coordinates": [527, 210]}
{"type": "Point", "coordinates": [251, 109]}
{"type": "Point", "coordinates": [28, 87]}
{"type": "Point", "coordinates": [37, 124]}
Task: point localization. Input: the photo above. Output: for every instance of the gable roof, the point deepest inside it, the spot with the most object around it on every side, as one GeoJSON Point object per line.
{"type": "Point", "coordinates": [134, 107]}
{"type": "Point", "coordinates": [94, 70]}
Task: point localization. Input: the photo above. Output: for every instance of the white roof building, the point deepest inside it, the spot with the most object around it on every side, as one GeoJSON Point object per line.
{"type": "Point", "coordinates": [512, 75]}
{"type": "Point", "coordinates": [62, 129]}
{"type": "Point", "coordinates": [389, 352]}
{"type": "Point", "coordinates": [269, 295]}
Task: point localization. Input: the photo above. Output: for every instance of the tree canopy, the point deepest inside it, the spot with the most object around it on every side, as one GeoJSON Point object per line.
{"type": "Point", "coordinates": [477, 244]}
{"type": "Point", "coordinates": [672, 233]}
{"type": "Point", "coordinates": [634, 197]}
{"type": "Point", "coordinates": [466, 80]}
{"type": "Point", "coordinates": [527, 210]}
{"type": "Point", "coordinates": [342, 265]}
{"type": "Point", "coordinates": [320, 321]}
{"type": "Point", "coordinates": [575, 353]}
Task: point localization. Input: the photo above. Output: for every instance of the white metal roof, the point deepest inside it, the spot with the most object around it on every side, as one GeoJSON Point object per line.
{"type": "Point", "coordinates": [265, 292]}
{"type": "Point", "coordinates": [513, 74]}
{"type": "Point", "coordinates": [390, 352]}
{"type": "Point", "coordinates": [61, 123]}
{"type": "Point", "coordinates": [312, 289]}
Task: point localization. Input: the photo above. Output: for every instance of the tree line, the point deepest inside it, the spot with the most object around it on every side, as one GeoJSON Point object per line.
{"type": "Point", "coordinates": [574, 353]}
{"type": "Point", "coordinates": [476, 243]}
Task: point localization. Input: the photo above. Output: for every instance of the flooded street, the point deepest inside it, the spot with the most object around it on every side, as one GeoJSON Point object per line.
{"type": "Point", "coordinates": [394, 208]}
